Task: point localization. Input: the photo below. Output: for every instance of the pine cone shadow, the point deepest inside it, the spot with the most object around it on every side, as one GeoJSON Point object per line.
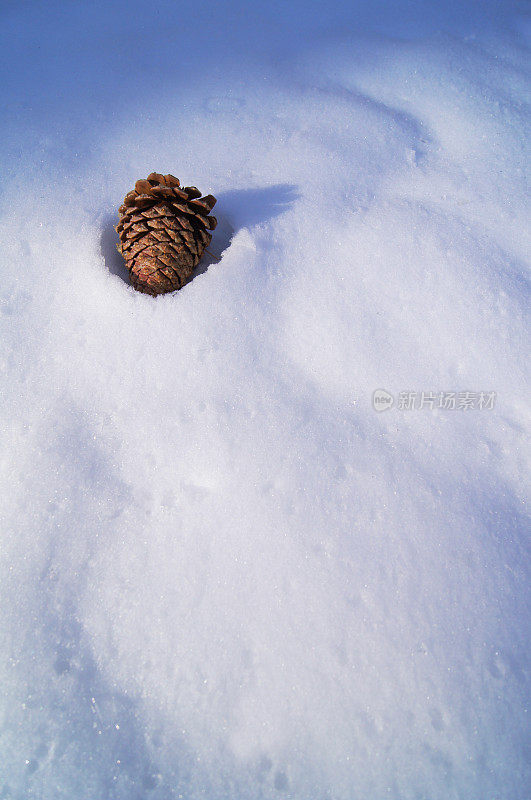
{"type": "Point", "coordinates": [244, 208]}
{"type": "Point", "coordinates": [235, 209]}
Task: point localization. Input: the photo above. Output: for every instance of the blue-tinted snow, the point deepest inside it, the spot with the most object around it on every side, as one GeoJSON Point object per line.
{"type": "Point", "coordinates": [222, 574]}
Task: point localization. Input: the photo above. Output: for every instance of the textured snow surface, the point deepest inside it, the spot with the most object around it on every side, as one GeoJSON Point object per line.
{"type": "Point", "coordinates": [222, 574]}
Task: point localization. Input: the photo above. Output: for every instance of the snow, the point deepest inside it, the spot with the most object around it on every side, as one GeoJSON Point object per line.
{"type": "Point", "coordinates": [222, 573]}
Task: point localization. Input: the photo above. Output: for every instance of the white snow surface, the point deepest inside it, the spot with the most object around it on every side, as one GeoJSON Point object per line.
{"type": "Point", "coordinates": [222, 573]}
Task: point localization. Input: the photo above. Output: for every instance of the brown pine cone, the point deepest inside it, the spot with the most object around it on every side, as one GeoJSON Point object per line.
{"type": "Point", "coordinates": [163, 232]}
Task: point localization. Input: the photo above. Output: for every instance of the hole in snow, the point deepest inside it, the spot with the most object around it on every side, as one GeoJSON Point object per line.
{"type": "Point", "coordinates": [108, 241]}
{"type": "Point", "coordinates": [235, 209]}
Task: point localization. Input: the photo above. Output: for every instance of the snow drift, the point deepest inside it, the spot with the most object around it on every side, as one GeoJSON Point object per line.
{"type": "Point", "coordinates": [222, 573]}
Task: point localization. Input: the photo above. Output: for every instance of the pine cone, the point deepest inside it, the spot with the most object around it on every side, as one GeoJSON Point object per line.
{"type": "Point", "coordinates": [163, 232]}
